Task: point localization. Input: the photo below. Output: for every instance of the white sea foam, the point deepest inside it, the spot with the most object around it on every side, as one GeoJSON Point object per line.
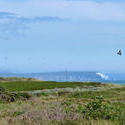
{"type": "Point", "coordinates": [103, 76]}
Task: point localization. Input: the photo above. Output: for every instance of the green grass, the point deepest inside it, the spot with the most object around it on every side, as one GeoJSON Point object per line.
{"type": "Point", "coordinates": [63, 107]}
{"type": "Point", "coordinates": [40, 85]}
{"type": "Point", "coordinates": [91, 94]}
{"type": "Point", "coordinates": [110, 94]}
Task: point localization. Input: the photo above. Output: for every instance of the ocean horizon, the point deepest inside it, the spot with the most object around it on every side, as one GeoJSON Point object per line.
{"type": "Point", "coordinates": [70, 76]}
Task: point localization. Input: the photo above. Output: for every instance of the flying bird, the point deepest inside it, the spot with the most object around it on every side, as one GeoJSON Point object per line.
{"type": "Point", "coordinates": [119, 53]}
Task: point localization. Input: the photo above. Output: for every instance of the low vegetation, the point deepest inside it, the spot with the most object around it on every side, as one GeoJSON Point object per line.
{"type": "Point", "coordinates": [11, 79]}
{"type": "Point", "coordinates": [91, 104]}
{"type": "Point", "coordinates": [30, 85]}
{"type": "Point", "coordinates": [12, 97]}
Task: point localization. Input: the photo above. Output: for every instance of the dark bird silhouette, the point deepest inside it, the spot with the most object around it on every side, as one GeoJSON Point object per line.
{"type": "Point", "coordinates": [119, 52]}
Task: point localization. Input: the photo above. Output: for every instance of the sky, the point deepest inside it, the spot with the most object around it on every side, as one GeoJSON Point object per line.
{"type": "Point", "coordinates": [59, 35]}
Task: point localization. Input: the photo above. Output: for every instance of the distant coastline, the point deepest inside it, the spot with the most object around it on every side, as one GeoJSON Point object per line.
{"type": "Point", "coordinates": [72, 76]}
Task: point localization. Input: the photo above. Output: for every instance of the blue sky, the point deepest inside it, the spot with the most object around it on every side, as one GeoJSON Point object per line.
{"type": "Point", "coordinates": [54, 35]}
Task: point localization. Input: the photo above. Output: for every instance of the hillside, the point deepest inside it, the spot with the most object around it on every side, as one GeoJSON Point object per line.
{"type": "Point", "coordinates": [61, 103]}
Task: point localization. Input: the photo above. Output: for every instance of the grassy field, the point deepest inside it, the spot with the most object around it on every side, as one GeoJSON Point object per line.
{"type": "Point", "coordinates": [75, 103]}
{"type": "Point", "coordinates": [30, 85]}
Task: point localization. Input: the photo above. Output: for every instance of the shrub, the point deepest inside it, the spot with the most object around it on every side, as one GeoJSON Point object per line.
{"type": "Point", "coordinates": [12, 97]}
{"type": "Point", "coordinates": [24, 96]}
{"type": "Point", "coordinates": [97, 109]}
{"type": "Point", "coordinates": [2, 89]}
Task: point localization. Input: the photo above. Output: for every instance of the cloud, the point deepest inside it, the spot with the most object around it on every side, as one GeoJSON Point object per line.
{"type": "Point", "coordinates": [100, 10]}
{"type": "Point", "coordinates": [15, 21]}
{"type": "Point", "coordinates": [76, 9]}
{"type": "Point", "coordinates": [4, 15]}
{"type": "Point", "coordinates": [12, 25]}
{"type": "Point", "coordinates": [91, 10]}
{"type": "Point", "coordinates": [39, 19]}
{"type": "Point", "coordinates": [12, 16]}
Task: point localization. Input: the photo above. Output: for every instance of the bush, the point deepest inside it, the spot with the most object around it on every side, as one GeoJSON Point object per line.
{"type": "Point", "coordinates": [97, 109]}
{"type": "Point", "coordinates": [2, 89]}
{"type": "Point", "coordinates": [12, 97]}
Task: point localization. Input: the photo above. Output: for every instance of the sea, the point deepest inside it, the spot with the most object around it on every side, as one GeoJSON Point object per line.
{"type": "Point", "coordinates": [72, 76]}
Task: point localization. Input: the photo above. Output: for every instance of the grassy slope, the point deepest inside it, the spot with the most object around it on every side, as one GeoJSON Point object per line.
{"type": "Point", "coordinates": [62, 108]}
{"type": "Point", "coordinates": [39, 85]}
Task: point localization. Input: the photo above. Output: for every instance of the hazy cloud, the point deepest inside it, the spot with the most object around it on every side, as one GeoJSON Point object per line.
{"type": "Point", "coordinates": [101, 10]}
{"type": "Point", "coordinates": [14, 25]}
{"type": "Point", "coordinates": [4, 15]}
{"type": "Point", "coordinates": [15, 20]}
{"type": "Point", "coordinates": [38, 19]}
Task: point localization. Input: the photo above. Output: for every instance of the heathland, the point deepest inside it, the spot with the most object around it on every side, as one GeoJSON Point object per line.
{"type": "Point", "coordinates": [27, 101]}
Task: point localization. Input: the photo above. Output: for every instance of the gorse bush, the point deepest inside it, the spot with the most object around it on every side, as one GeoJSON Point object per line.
{"type": "Point", "coordinates": [98, 110]}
